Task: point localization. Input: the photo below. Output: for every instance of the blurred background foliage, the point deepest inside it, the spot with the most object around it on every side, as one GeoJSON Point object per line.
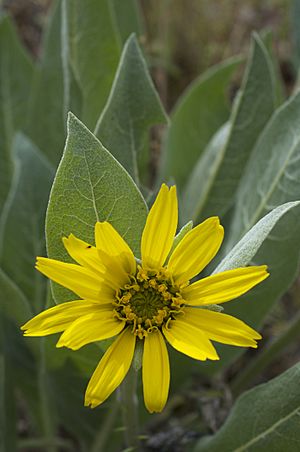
{"type": "Point", "coordinates": [183, 38]}
{"type": "Point", "coordinates": [180, 39]}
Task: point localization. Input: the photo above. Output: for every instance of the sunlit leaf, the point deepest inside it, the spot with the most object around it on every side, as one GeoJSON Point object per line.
{"type": "Point", "coordinates": [90, 186]}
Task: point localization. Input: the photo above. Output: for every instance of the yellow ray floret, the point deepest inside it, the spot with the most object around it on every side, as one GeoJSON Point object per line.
{"type": "Point", "coordinates": [111, 370]}
{"type": "Point", "coordinates": [160, 229]}
{"type": "Point", "coordinates": [224, 286]}
{"type": "Point", "coordinates": [151, 302]}
{"type": "Point", "coordinates": [197, 248]}
{"type": "Point", "coordinates": [156, 372]}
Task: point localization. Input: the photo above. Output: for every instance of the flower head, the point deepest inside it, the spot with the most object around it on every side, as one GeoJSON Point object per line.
{"type": "Point", "coordinates": [150, 301]}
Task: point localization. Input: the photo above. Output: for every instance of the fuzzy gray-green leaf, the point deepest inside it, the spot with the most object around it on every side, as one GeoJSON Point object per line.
{"type": "Point", "coordinates": [244, 251]}
{"type": "Point", "coordinates": [132, 108]}
{"type": "Point", "coordinates": [95, 48]}
{"type": "Point", "coordinates": [251, 112]}
{"type": "Point", "coordinates": [90, 186]}
{"type": "Point", "coordinates": [266, 418]}
{"type": "Point", "coordinates": [272, 176]}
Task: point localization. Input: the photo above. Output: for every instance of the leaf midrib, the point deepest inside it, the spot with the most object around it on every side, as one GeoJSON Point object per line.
{"type": "Point", "coordinates": [269, 430]}
{"type": "Point", "coordinates": [262, 205]}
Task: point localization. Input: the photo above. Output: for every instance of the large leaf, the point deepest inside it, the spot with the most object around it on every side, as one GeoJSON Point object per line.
{"type": "Point", "coordinates": [244, 251]}
{"type": "Point", "coordinates": [214, 194]}
{"type": "Point", "coordinates": [200, 111]}
{"type": "Point", "coordinates": [280, 252]}
{"type": "Point", "coordinates": [132, 108]}
{"type": "Point", "coordinates": [95, 48]}
{"type": "Point", "coordinates": [272, 176]}
{"type": "Point", "coordinates": [265, 418]}
{"type": "Point", "coordinates": [23, 226]}
{"type": "Point", "coordinates": [274, 235]}
{"type": "Point", "coordinates": [90, 186]}
{"type": "Point", "coordinates": [15, 78]}
{"type": "Point", "coordinates": [46, 121]}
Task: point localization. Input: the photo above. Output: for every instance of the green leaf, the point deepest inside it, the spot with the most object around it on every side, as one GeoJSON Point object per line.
{"type": "Point", "coordinates": [265, 418]}
{"type": "Point", "coordinates": [271, 178]}
{"type": "Point", "coordinates": [127, 15]}
{"type": "Point", "coordinates": [200, 111]}
{"type": "Point", "coordinates": [204, 173]}
{"type": "Point", "coordinates": [23, 219]}
{"type": "Point", "coordinates": [251, 112]}
{"type": "Point", "coordinates": [244, 251]}
{"type": "Point", "coordinates": [267, 37]}
{"type": "Point", "coordinates": [273, 173]}
{"type": "Point", "coordinates": [295, 14]}
{"type": "Point", "coordinates": [90, 186]}
{"type": "Point", "coordinates": [183, 231]}
{"type": "Point", "coordinates": [46, 121]}
{"type": "Point", "coordinates": [132, 108]}
{"type": "Point", "coordinates": [94, 52]}
{"type": "Point", "coordinates": [15, 78]}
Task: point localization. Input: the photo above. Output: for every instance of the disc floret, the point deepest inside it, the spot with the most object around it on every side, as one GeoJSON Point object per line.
{"type": "Point", "coordinates": [150, 300]}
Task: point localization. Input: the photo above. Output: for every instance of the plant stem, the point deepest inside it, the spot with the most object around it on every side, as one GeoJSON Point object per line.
{"type": "Point", "coordinates": [44, 401]}
{"type": "Point", "coordinates": [266, 356]}
{"type": "Point", "coordinates": [103, 435]}
{"type": "Point", "coordinates": [129, 407]}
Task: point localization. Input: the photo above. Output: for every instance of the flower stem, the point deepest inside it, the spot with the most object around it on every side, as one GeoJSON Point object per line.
{"type": "Point", "coordinates": [102, 437]}
{"type": "Point", "coordinates": [129, 407]}
{"type": "Point", "coordinates": [46, 415]}
{"type": "Point", "coordinates": [266, 356]}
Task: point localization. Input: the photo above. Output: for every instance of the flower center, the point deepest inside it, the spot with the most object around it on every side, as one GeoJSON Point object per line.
{"type": "Point", "coordinates": [148, 302]}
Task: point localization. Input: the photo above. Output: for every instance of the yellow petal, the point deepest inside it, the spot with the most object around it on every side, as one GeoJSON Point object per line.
{"type": "Point", "coordinates": [222, 327]}
{"type": "Point", "coordinates": [224, 286]}
{"type": "Point", "coordinates": [111, 370]}
{"type": "Point", "coordinates": [93, 327]}
{"type": "Point", "coordinates": [83, 253]}
{"type": "Point", "coordinates": [156, 372]}
{"type": "Point", "coordinates": [189, 340]}
{"type": "Point", "coordinates": [80, 280]}
{"type": "Point", "coordinates": [114, 273]}
{"type": "Point", "coordinates": [58, 318]}
{"type": "Point", "coordinates": [197, 248]}
{"type": "Point", "coordinates": [109, 241]}
{"type": "Point", "coordinates": [160, 228]}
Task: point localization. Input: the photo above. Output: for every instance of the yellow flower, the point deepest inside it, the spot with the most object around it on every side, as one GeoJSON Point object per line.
{"type": "Point", "coordinates": [149, 301]}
